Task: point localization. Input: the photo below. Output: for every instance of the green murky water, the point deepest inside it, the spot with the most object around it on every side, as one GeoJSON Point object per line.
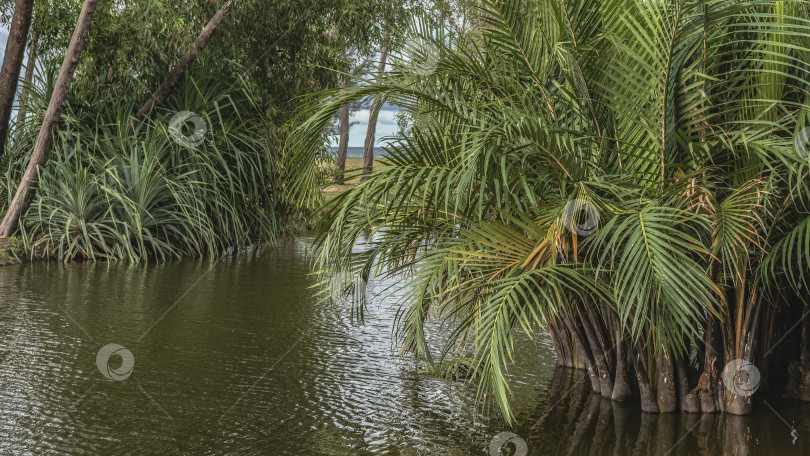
{"type": "Point", "coordinates": [232, 357]}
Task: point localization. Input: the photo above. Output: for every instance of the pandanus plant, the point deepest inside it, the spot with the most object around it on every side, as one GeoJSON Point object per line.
{"type": "Point", "coordinates": [629, 176]}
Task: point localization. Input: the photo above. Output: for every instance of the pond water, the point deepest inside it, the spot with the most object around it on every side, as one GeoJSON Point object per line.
{"type": "Point", "coordinates": [233, 357]}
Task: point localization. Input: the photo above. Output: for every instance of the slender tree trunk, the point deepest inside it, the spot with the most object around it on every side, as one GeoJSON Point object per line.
{"type": "Point", "coordinates": [180, 69]}
{"type": "Point", "coordinates": [12, 62]}
{"type": "Point", "coordinates": [29, 75]}
{"type": "Point", "coordinates": [343, 145]}
{"type": "Point", "coordinates": [368, 153]}
{"type": "Point", "coordinates": [665, 385]}
{"type": "Point", "coordinates": [689, 403]}
{"type": "Point", "coordinates": [39, 156]}
{"type": "Point", "coordinates": [584, 353]}
{"type": "Point", "coordinates": [599, 358]}
{"type": "Point", "coordinates": [621, 383]}
{"type": "Point", "coordinates": [707, 383]}
{"type": "Point", "coordinates": [646, 391]}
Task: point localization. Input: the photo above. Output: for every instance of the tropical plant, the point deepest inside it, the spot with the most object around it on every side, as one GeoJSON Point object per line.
{"type": "Point", "coordinates": [629, 176]}
{"type": "Point", "coordinates": [109, 194]}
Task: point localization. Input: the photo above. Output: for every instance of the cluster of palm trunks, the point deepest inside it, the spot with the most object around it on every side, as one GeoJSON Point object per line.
{"type": "Point", "coordinates": [774, 340]}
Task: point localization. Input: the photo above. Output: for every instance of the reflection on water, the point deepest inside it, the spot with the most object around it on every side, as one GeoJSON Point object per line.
{"type": "Point", "coordinates": [232, 357]}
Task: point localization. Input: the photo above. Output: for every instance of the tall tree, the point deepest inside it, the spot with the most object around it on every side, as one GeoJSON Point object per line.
{"type": "Point", "coordinates": [368, 153]}
{"type": "Point", "coordinates": [29, 75]}
{"type": "Point", "coordinates": [39, 156]}
{"type": "Point", "coordinates": [180, 69]}
{"type": "Point", "coordinates": [12, 62]}
{"type": "Point", "coordinates": [343, 144]}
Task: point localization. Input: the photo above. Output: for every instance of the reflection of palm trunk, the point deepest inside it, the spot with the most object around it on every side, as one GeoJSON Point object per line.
{"type": "Point", "coordinates": [584, 418]}
{"type": "Point", "coordinates": [25, 191]}
{"type": "Point", "coordinates": [343, 145]}
{"type": "Point", "coordinates": [12, 63]}
{"type": "Point", "coordinates": [29, 75]}
{"type": "Point", "coordinates": [368, 152]}
{"type": "Point", "coordinates": [561, 382]}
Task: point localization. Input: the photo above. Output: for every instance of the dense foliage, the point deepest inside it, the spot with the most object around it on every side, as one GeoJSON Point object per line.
{"type": "Point", "coordinates": [111, 194]}
{"type": "Point", "coordinates": [116, 187]}
{"type": "Point", "coordinates": [629, 175]}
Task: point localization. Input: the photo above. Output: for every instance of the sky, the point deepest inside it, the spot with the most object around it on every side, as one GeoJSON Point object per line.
{"type": "Point", "coordinates": [3, 39]}
{"type": "Point", "coordinates": [386, 126]}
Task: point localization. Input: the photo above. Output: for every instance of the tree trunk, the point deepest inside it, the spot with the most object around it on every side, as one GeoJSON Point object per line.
{"type": "Point", "coordinates": [689, 403]}
{"type": "Point", "coordinates": [180, 69]}
{"type": "Point", "coordinates": [29, 75]}
{"type": "Point", "coordinates": [25, 191]}
{"type": "Point", "coordinates": [599, 358]}
{"type": "Point", "coordinates": [584, 353]}
{"type": "Point", "coordinates": [368, 153]}
{"type": "Point", "coordinates": [707, 383]}
{"type": "Point", "coordinates": [621, 383]}
{"type": "Point", "coordinates": [665, 385]}
{"type": "Point", "coordinates": [343, 145]}
{"type": "Point", "coordinates": [12, 62]}
{"type": "Point", "coordinates": [648, 402]}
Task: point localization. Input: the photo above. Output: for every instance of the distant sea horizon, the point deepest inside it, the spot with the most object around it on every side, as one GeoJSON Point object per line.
{"type": "Point", "coordinates": [357, 152]}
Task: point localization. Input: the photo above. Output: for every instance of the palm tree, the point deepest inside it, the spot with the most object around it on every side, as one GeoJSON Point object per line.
{"type": "Point", "coordinates": [627, 175]}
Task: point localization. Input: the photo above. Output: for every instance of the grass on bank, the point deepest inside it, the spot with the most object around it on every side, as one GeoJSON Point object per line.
{"type": "Point", "coordinates": [353, 166]}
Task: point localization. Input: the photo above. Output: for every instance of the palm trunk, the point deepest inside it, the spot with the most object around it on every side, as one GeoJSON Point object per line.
{"type": "Point", "coordinates": [368, 153]}
{"type": "Point", "coordinates": [180, 69]}
{"type": "Point", "coordinates": [646, 391]}
{"type": "Point", "coordinates": [29, 75]}
{"type": "Point", "coordinates": [621, 383]}
{"type": "Point", "coordinates": [599, 358]}
{"type": "Point", "coordinates": [665, 384]}
{"type": "Point", "coordinates": [39, 156]}
{"type": "Point", "coordinates": [12, 63]}
{"type": "Point", "coordinates": [343, 145]}
{"type": "Point", "coordinates": [583, 353]}
{"type": "Point", "coordinates": [689, 403]}
{"type": "Point", "coordinates": [707, 383]}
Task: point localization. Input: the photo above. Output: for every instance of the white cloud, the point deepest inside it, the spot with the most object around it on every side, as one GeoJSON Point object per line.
{"type": "Point", "coordinates": [386, 126]}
